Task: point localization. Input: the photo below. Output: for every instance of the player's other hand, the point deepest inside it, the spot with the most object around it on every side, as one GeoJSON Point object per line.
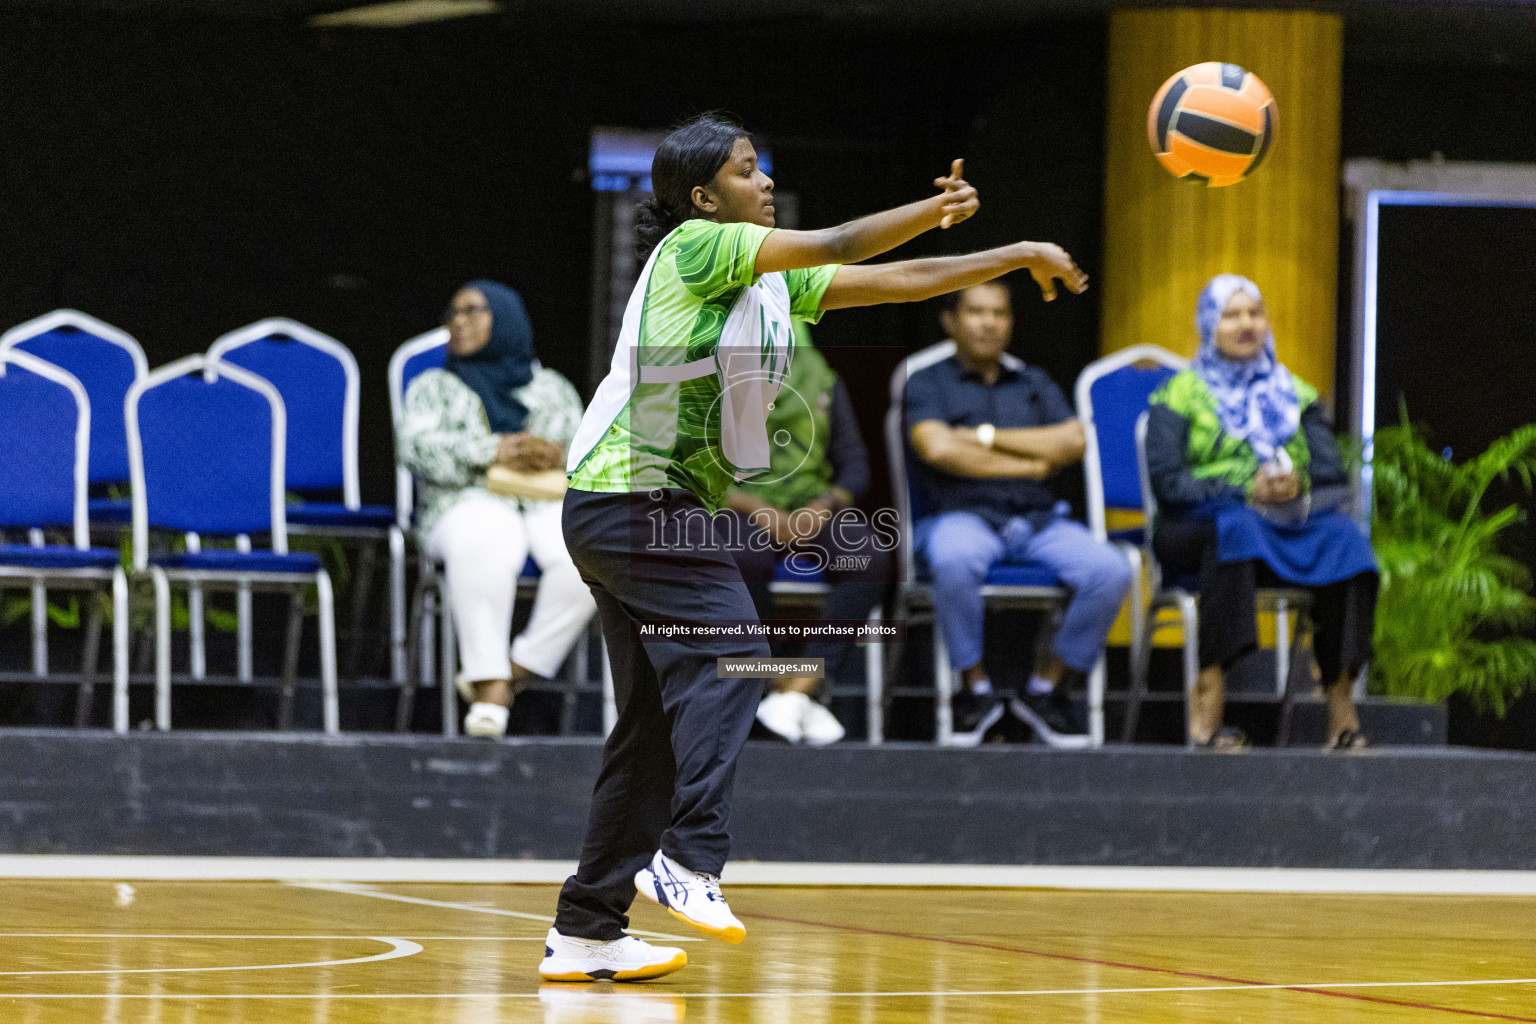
{"type": "Point", "coordinates": [1051, 263]}
{"type": "Point", "coordinates": [960, 199]}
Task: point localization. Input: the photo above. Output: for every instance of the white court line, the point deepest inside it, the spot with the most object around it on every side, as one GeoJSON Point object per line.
{"type": "Point", "coordinates": [1389, 881]}
{"type": "Point", "coordinates": [398, 949]}
{"type": "Point", "coordinates": [379, 894]}
{"type": "Point", "coordinates": [799, 994]}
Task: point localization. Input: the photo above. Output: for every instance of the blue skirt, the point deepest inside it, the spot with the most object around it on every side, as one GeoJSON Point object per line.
{"type": "Point", "coordinates": [1326, 548]}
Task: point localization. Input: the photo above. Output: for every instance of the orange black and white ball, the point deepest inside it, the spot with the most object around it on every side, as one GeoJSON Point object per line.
{"type": "Point", "coordinates": [1212, 122]}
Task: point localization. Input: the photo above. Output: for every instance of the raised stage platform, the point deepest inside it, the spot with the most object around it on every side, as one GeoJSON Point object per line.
{"type": "Point", "coordinates": [297, 795]}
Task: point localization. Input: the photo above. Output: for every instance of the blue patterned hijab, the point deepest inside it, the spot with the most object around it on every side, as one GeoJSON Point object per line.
{"type": "Point", "coordinates": [506, 361]}
{"type": "Point", "coordinates": [1255, 398]}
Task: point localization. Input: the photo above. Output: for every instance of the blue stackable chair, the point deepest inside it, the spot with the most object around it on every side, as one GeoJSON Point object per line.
{"type": "Point", "coordinates": [1182, 594]}
{"type": "Point", "coordinates": [45, 439]}
{"type": "Point", "coordinates": [1032, 587]}
{"type": "Point", "coordinates": [106, 361]}
{"type": "Point", "coordinates": [206, 444]}
{"type": "Point", "coordinates": [1111, 393]}
{"type": "Point", "coordinates": [318, 379]}
{"type": "Point", "coordinates": [431, 613]}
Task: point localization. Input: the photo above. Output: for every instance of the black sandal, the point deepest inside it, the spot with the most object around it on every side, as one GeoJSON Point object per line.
{"type": "Point", "coordinates": [1348, 740]}
{"type": "Point", "coordinates": [1227, 739]}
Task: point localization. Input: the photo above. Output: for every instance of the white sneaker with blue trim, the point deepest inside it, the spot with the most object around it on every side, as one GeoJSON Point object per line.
{"type": "Point", "coordinates": [567, 958]}
{"type": "Point", "coordinates": [689, 896]}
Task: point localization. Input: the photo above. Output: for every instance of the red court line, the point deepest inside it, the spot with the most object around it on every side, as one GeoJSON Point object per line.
{"type": "Point", "coordinates": [1405, 1004]}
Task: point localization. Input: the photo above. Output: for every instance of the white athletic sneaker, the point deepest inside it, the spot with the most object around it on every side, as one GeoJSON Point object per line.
{"type": "Point", "coordinates": [627, 959]}
{"type": "Point", "coordinates": [486, 720]}
{"type": "Point", "coordinates": [690, 897]}
{"type": "Point", "coordinates": [819, 725]}
{"type": "Point", "coordinates": [784, 713]}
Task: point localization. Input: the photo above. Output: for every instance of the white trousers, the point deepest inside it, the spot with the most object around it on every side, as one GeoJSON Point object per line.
{"type": "Point", "coordinates": [483, 542]}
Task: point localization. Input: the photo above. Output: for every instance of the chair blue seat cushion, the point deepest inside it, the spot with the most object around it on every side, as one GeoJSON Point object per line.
{"type": "Point", "coordinates": [58, 557]}
{"type": "Point", "coordinates": [110, 510]}
{"type": "Point", "coordinates": [225, 560]}
{"type": "Point", "coordinates": [326, 513]}
{"type": "Point", "coordinates": [1033, 574]}
{"type": "Point", "coordinates": [1005, 574]}
{"type": "Point", "coordinates": [784, 572]}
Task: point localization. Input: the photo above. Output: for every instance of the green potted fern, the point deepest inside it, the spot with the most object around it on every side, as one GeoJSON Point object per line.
{"type": "Point", "coordinates": [1455, 610]}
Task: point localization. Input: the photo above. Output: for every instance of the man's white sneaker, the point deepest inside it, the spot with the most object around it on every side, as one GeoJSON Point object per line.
{"type": "Point", "coordinates": [690, 897]}
{"type": "Point", "coordinates": [819, 725]}
{"type": "Point", "coordinates": [627, 959]}
{"type": "Point", "coordinates": [783, 713]}
{"type": "Point", "coordinates": [486, 719]}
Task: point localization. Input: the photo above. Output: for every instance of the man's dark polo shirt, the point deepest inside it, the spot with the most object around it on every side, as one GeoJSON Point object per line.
{"type": "Point", "coordinates": [1022, 396]}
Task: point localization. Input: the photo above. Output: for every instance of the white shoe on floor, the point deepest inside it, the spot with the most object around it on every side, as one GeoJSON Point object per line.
{"type": "Point", "coordinates": [486, 720]}
{"type": "Point", "coordinates": [627, 959]}
{"type": "Point", "coordinates": [690, 897]}
{"type": "Point", "coordinates": [819, 725]}
{"type": "Point", "coordinates": [784, 713]}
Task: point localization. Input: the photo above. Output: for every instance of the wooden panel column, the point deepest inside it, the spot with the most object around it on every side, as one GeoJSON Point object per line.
{"type": "Point", "coordinates": [1164, 238]}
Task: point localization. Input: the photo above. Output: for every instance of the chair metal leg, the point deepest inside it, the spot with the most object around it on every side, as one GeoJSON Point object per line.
{"type": "Point", "coordinates": [120, 653]}
{"type": "Point", "coordinates": [1282, 645]}
{"type": "Point", "coordinates": [943, 688]}
{"type": "Point", "coordinates": [162, 648]}
{"type": "Point", "coordinates": [362, 589]}
{"type": "Point", "coordinates": [243, 668]}
{"type": "Point", "coordinates": [397, 611]}
{"type": "Point", "coordinates": [874, 682]}
{"type": "Point", "coordinates": [291, 637]}
{"type": "Point", "coordinates": [448, 660]}
{"type": "Point", "coordinates": [416, 655]}
{"type": "Point", "coordinates": [1189, 617]}
{"type": "Point", "coordinates": [1297, 671]}
{"type": "Point", "coordinates": [89, 656]}
{"type": "Point", "coordinates": [1138, 606]}
{"type": "Point", "coordinates": [1097, 682]}
{"type": "Point", "coordinates": [1141, 667]}
{"type": "Point", "coordinates": [330, 701]}
{"type": "Point", "coordinates": [197, 642]}
{"type": "Point", "coordinates": [39, 615]}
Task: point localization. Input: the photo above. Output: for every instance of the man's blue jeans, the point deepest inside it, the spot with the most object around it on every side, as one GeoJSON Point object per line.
{"type": "Point", "coordinates": [960, 547]}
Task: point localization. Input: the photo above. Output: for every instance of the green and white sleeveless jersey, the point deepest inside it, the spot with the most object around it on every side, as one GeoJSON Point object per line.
{"type": "Point", "coordinates": [704, 348]}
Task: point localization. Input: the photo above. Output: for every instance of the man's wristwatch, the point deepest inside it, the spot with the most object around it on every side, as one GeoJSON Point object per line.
{"type": "Point", "coordinates": [986, 434]}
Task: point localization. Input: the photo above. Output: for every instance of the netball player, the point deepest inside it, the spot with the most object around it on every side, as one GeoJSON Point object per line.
{"type": "Point", "coordinates": [705, 343]}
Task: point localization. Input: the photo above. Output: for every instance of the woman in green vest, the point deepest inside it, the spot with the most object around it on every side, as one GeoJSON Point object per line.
{"type": "Point", "coordinates": [803, 513]}
{"type": "Point", "coordinates": [1248, 479]}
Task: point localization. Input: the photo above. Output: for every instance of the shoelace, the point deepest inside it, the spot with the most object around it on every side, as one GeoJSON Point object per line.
{"type": "Point", "coordinates": [711, 885]}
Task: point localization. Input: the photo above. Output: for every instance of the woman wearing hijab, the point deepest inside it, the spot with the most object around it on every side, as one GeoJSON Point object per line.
{"type": "Point", "coordinates": [493, 404]}
{"type": "Point", "coordinates": [1247, 478]}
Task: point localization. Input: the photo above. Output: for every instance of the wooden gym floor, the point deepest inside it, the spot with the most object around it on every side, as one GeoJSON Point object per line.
{"type": "Point", "coordinates": [283, 953]}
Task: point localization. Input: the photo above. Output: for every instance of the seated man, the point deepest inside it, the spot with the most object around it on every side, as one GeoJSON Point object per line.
{"type": "Point", "coordinates": [987, 431]}
{"type": "Point", "coordinates": [805, 505]}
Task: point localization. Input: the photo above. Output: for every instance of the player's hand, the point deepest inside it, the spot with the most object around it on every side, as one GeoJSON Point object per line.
{"type": "Point", "coordinates": [1051, 262]}
{"type": "Point", "coordinates": [960, 199]}
{"type": "Point", "coordinates": [1276, 489]}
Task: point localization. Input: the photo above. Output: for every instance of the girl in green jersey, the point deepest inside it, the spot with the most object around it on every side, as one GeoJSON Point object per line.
{"type": "Point", "coordinates": [706, 342]}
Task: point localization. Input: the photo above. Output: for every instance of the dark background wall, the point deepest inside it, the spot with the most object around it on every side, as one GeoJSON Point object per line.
{"type": "Point", "coordinates": [182, 178]}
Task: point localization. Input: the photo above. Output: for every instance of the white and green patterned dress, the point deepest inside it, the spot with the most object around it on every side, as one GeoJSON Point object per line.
{"type": "Point", "coordinates": [705, 346]}
{"type": "Point", "coordinates": [447, 444]}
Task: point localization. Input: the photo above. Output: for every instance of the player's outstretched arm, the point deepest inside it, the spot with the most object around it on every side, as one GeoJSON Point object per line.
{"type": "Point", "coordinates": [915, 280]}
{"type": "Point", "coordinates": [868, 237]}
